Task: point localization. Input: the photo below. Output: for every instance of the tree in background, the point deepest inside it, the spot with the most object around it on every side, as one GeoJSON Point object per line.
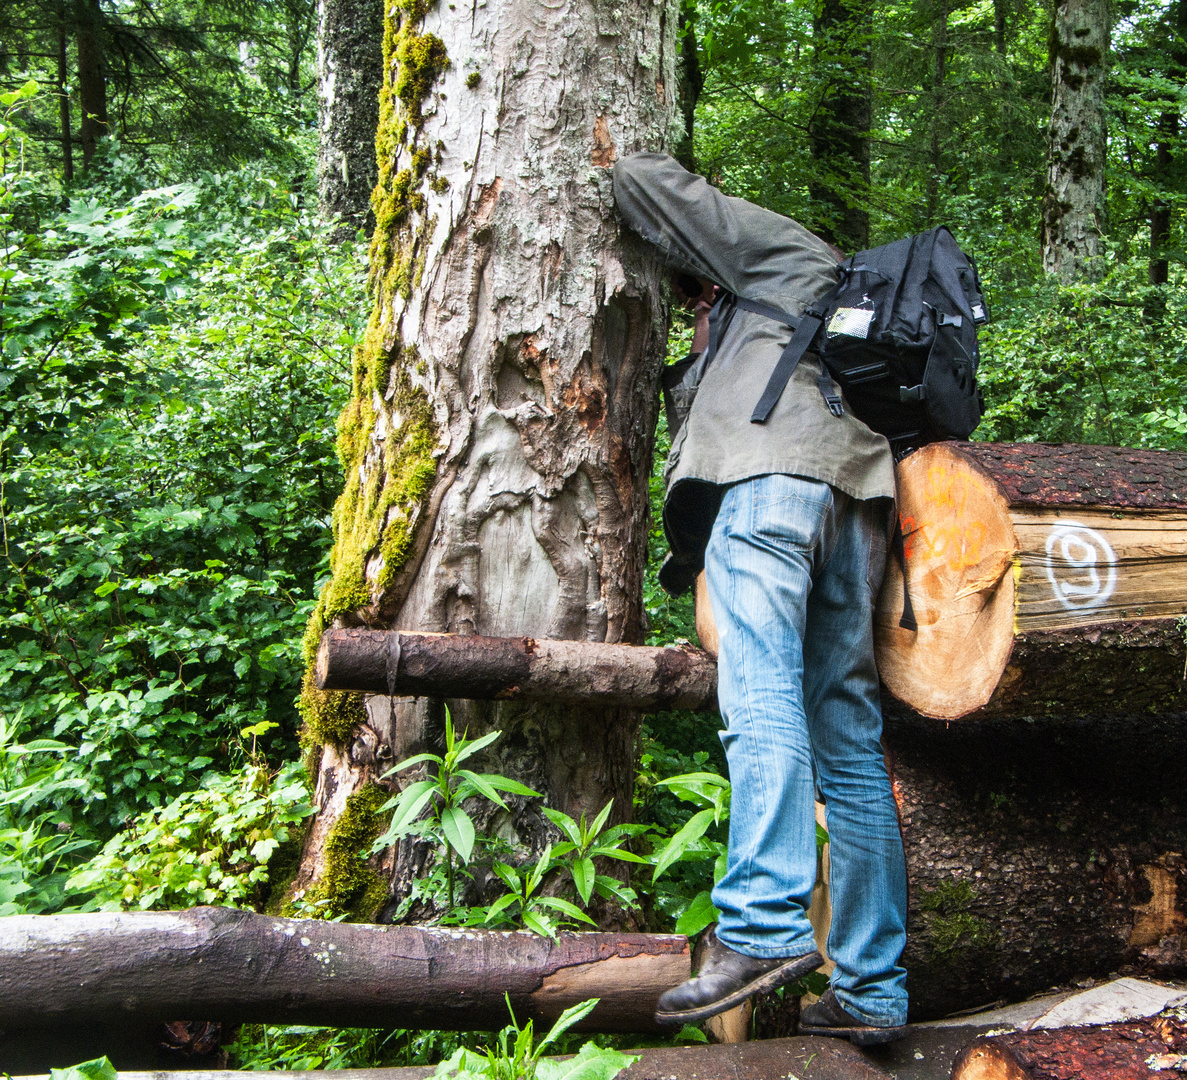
{"type": "Point", "coordinates": [349, 75]}
{"type": "Point", "coordinates": [1074, 203]}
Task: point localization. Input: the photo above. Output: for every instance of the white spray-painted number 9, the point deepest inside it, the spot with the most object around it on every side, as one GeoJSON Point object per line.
{"type": "Point", "coordinates": [1081, 566]}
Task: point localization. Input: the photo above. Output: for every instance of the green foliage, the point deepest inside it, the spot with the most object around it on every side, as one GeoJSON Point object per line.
{"type": "Point", "coordinates": [517, 1056]}
{"type": "Point", "coordinates": [98, 1069]}
{"type": "Point", "coordinates": [585, 843]}
{"type": "Point", "coordinates": [210, 846]}
{"type": "Point", "coordinates": [171, 358]}
{"type": "Point", "coordinates": [447, 822]}
{"type": "Point", "coordinates": [524, 905]}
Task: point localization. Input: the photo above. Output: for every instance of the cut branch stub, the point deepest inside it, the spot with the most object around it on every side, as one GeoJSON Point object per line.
{"type": "Point", "coordinates": [1043, 579]}
{"type": "Point", "coordinates": [515, 669]}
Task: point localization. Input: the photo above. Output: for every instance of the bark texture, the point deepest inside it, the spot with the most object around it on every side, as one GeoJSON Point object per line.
{"type": "Point", "coordinates": [349, 74]}
{"type": "Point", "coordinates": [498, 445]}
{"type": "Point", "coordinates": [228, 965]}
{"type": "Point", "coordinates": [1129, 1051]}
{"type": "Point", "coordinates": [1074, 203]}
{"type": "Point", "coordinates": [1038, 854]}
{"type": "Point", "coordinates": [516, 669]}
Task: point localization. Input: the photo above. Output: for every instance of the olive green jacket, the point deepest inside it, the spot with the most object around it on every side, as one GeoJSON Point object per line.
{"type": "Point", "coordinates": [763, 256]}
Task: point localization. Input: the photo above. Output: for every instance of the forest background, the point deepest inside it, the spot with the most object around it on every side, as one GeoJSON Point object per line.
{"type": "Point", "coordinates": [178, 308]}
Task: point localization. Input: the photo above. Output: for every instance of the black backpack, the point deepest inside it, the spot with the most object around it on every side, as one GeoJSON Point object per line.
{"type": "Point", "coordinates": [899, 334]}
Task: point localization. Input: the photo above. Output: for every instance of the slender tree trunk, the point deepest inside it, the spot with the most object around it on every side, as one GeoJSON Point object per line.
{"type": "Point", "coordinates": [349, 74]}
{"type": "Point", "coordinates": [498, 444]}
{"type": "Point", "coordinates": [1168, 132]}
{"type": "Point", "coordinates": [92, 81]}
{"type": "Point", "coordinates": [691, 82]}
{"type": "Point", "coordinates": [1074, 203]}
{"type": "Point", "coordinates": [64, 96]}
{"type": "Point", "coordinates": [939, 72]}
{"type": "Point", "coordinates": [999, 26]}
{"type": "Point", "coordinates": [839, 134]}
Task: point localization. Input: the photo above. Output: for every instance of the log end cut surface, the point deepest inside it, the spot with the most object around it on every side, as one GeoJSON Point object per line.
{"type": "Point", "coordinates": [960, 546]}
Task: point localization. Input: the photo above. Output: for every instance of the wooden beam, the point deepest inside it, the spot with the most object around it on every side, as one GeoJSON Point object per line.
{"type": "Point", "coordinates": [515, 669]}
{"type": "Point", "coordinates": [222, 964]}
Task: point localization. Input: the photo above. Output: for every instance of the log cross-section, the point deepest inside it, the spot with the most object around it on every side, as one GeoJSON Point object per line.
{"type": "Point", "coordinates": [516, 669]}
{"type": "Point", "coordinates": [222, 964]}
{"type": "Point", "coordinates": [1044, 579]}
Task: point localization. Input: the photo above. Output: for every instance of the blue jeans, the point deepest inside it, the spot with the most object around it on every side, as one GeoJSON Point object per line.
{"type": "Point", "coordinates": [793, 569]}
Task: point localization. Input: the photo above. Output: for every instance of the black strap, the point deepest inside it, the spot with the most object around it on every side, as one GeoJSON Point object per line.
{"type": "Point", "coordinates": [907, 622]}
{"type": "Point", "coordinates": [793, 351]}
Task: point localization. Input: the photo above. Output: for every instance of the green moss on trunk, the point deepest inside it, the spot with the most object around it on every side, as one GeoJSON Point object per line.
{"type": "Point", "coordinates": [388, 478]}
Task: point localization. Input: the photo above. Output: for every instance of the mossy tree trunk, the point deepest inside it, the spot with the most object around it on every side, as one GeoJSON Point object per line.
{"type": "Point", "coordinates": [349, 74]}
{"type": "Point", "coordinates": [1074, 203]}
{"type": "Point", "coordinates": [498, 443]}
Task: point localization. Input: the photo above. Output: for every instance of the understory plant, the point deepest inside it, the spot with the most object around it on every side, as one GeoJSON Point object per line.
{"type": "Point", "coordinates": [515, 1054]}
{"type": "Point", "coordinates": [209, 846]}
{"type": "Point", "coordinates": [447, 822]}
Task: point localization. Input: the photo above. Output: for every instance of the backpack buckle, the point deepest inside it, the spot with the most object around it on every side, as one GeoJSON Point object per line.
{"type": "Point", "coordinates": [912, 393]}
{"type": "Point", "coordinates": [831, 398]}
{"type": "Point", "coordinates": [944, 319]}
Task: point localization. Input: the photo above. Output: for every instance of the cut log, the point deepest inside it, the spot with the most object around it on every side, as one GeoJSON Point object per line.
{"type": "Point", "coordinates": [516, 668]}
{"type": "Point", "coordinates": [222, 964]}
{"type": "Point", "coordinates": [1039, 854]}
{"type": "Point", "coordinates": [807, 1059]}
{"type": "Point", "coordinates": [1130, 1051]}
{"type": "Point", "coordinates": [1045, 579]}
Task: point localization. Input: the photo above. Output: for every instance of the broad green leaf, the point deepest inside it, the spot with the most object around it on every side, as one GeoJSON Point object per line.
{"type": "Point", "coordinates": [407, 763]}
{"type": "Point", "coordinates": [500, 905]}
{"type": "Point", "coordinates": [482, 785]}
{"type": "Point", "coordinates": [555, 903]}
{"type": "Point", "coordinates": [98, 1069]}
{"type": "Point", "coordinates": [538, 925]}
{"type": "Point", "coordinates": [600, 821]}
{"type": "Point", "coordinates": [583, 878]}
{"type": "Point", "coordinates": [565, 823]}
{"type": "Point", "coordinates": [692, 831]}
{"type": "Point", "coordinates": [458, 830]}
{"type": "Point", "coordinates": [469, 749]}
{"type": "Point", "coordinates": [590, 1063]}
{"type": "Point", "coordinates": [699, 914]}
{"type": "Point", "coordinates": [572, 1015]}
{"type": "Point", "coordinates": [512, 787]}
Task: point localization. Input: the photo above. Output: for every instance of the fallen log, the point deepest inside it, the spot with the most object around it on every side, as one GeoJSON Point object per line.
{"type": "Point", "coordinates": [1135, 1050]}
{"type": "Point", "coordinates": [221, 964]}
{"type": "Point", "coordinates": [1045, 579]}
{"type": "Point", "coordinates": [1039, 854]}
{"type": "Point", "coordinates": [807, 1059]}
{"type": "Point", "coordinates": [515, 669]}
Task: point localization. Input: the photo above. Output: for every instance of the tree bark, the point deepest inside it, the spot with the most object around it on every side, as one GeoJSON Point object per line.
{"type": "Point", "coordinates": [92, 81]}
{"type": "Point", "coordinates": [1043, 578]}
{"type": "Point", "coordinates": [349, 74]}
{"type": "Point", "coordinates": [1135, 1049]}
{"type": "Point", "coordinates": [229, 965]}
{"type": "Point", "coordinates": [1038, 854]}
{"type": "Point", "coordinates": [839, 135]}
{"type": "Point", "coordinates": [691, 81]}
{"type": "Point", "coordinates": [1074, 203]}
{"type": "Point", "coordinates": [516, 669]}
{"type": "Point", "coordinates": [498, 444]}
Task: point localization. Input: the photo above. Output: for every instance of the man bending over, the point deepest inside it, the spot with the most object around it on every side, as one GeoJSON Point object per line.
{"type": "Point", "coordinates": [790, 520]}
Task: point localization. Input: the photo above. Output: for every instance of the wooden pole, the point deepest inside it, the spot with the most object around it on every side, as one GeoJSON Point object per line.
{"type": "Point", "coordinates": [515, 669]}
{"type": "Point", "coordinates": [209, 963]}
